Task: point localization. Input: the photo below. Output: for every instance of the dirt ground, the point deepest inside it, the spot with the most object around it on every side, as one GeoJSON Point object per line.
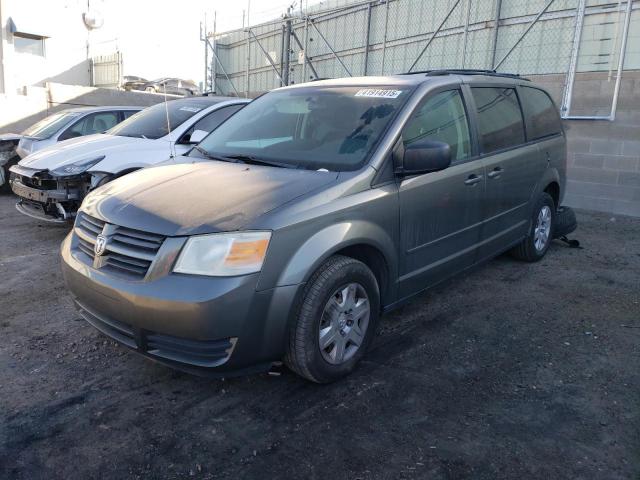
{"type": "Point", "coordinates": [513, 371]}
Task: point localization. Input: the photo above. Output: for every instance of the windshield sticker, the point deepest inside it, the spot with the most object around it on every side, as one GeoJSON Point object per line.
{"type": "Point", "coordinates": [190, 109]}
{"type": "Point", "coordinates": [374, 92]}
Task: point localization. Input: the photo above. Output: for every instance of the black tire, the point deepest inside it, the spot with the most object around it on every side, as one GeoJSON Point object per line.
{"type": "Point", "coordinates": [527, 250]}
{"type": "Point", "coordinates": [303, 350]}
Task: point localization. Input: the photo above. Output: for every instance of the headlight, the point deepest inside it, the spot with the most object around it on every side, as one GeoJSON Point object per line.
{"type": "Point", "coordinates": [223, 254]}
{"type": "Point", "coordinates": [77, 167]}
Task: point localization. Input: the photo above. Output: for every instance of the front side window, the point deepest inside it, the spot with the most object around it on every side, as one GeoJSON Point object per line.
{"type": "Point", "coordinates": [152, 122]}
{"type": "Point", "coordinates": [441, 117]}
{"type": "Point", "coordinates": [499, 118]}
{"type": "Point", "coordinates": [48, 126]}
{"type": "Point", "coordinates": [333, 128]}
{"type": "Point", "coordinates": [541, 113]}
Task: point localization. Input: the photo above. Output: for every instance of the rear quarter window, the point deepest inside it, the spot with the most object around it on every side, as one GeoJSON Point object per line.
{"type": "Point", "coordinates": [542, 117]}
{"type": "Point", "coordinates": [500, 121]}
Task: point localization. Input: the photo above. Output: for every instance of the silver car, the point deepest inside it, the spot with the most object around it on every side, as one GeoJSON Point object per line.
{"type": "Point", "coordinates": [71, 123]}
{"type": "Point", "coordinates": [290, 229]}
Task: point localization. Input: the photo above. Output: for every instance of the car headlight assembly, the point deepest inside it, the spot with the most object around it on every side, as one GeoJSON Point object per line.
{"type": "Point", "coordinates": [224, 254]}
{"type": "Point", "coordinates": [77, 167]}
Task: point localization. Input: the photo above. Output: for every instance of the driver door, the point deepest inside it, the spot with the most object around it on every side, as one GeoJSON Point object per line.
{"type": "Point", "coordinates": [440, 212]}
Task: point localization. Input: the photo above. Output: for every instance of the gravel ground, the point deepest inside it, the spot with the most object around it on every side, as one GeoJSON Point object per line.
{"type": "Point", "coordinates": [514, 370]}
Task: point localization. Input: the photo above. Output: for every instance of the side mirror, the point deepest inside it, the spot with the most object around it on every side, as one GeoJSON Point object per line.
{"type": "Point", "coordinates": [197, 136]}
{"type": "Point", "coordinates": [425, 156]}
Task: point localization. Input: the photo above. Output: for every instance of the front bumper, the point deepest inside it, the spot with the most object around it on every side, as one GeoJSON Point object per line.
{"type": "Point", "coordinates": [48, 199]}
{"type": "Point", "coordinates": [202, 325]}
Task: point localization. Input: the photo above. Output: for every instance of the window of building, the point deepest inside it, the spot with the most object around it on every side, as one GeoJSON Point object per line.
{"type": "Point", "coordinates": [499, 118]}
{"type": "Point", "coordinates": [30, 44]}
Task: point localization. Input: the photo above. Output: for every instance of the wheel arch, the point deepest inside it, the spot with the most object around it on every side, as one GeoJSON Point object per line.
{"type": "Point", "coordinates": [364, 241]}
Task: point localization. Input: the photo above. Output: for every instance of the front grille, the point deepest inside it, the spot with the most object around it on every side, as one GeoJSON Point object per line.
{"type": "Point", "coordinates": [198, 353]}
{"type": "Point", "coordinates": [128, 252]}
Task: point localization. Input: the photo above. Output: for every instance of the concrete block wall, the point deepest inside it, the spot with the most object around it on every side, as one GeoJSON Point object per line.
{"type": "Point", "coordinates": [603, 157]}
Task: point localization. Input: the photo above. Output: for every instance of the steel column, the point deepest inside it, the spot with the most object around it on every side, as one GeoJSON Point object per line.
{"type": "Point", "coordinates": [287, 51]}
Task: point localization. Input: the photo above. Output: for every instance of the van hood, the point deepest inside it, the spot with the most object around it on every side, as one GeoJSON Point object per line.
{"type": "Point", "coordinates": [86, 148]}
{"type": "Point", "coordinates": [204, 196]}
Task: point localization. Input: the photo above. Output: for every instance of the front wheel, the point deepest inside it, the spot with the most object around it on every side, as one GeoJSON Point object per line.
{"type": "Point", "coordinates": [534, 246]}
{"type": "Point", "coordinates": [336, 321]}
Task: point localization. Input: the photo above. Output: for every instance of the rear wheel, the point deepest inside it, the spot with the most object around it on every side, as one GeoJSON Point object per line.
{"type": "Point", "coordinates": [336, 321]}
{"type": "Point", "coordinates": [536, 243]}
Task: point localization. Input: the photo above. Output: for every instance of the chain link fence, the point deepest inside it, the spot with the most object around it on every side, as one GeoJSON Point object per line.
{"type": "Point", "coordinates": [381, 37]}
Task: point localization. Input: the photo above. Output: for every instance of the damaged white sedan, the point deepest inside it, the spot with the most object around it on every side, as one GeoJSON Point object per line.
{"type": "Point", "coordinates": [52, 183]}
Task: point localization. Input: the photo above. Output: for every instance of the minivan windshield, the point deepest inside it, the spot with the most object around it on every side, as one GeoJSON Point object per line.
{"type": "Point", "coordinates": [46, 127]}
{"type": "Point", "coordinates": [152, 122]}
{"type": "Point", "coordinates": [332, 128]}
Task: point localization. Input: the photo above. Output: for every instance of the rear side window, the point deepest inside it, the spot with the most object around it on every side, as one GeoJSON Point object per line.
{"type": "Point", "coordinates": [442, 118]}
{"type": "Point", "coordinates": [499, 118]}
{"type": "Point", "coordinates": [541, 113]}
{"type": "Point", "coordinates": [94, 123]}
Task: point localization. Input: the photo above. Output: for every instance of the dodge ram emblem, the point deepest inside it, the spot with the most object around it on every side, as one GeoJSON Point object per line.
{"type": "Point", "coordinates": [100, 246]}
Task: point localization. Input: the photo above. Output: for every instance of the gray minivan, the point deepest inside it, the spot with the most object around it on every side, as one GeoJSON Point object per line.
{"type": "Point", "coordinates": [287, 231]}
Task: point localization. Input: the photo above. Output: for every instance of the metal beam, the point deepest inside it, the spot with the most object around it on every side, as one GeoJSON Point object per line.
{"type": "Point", "coordinates": [269, 59]}
{"type": "Point", "coordinates": [524, 34]}
{"type": "Point", "coordinates": [330, 48]}
{"type": "Point", "coordinates": [433, 35]}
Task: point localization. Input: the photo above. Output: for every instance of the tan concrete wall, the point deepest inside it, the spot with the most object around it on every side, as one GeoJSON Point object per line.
{"type": "Point", "coordinates": [603, 156]}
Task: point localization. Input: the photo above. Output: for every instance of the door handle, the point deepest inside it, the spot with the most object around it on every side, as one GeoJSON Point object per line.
{"type": "Point", "coordinates": [495, 173]}
{"type": "Point", "coordinates": [473, 179]}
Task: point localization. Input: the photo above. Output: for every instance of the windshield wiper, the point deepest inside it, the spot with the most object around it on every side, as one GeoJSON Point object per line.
{"type": "Point", "coordinates": [210, 156]}
{"type": "Point", "coordinates": [259, 161]}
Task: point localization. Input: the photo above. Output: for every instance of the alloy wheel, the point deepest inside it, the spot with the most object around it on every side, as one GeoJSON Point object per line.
{"type": "Point", "coordinates": [344, 323]}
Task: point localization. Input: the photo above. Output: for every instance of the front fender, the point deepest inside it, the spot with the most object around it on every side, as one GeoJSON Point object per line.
{"type": "Point", "coordinates": [313, 252]}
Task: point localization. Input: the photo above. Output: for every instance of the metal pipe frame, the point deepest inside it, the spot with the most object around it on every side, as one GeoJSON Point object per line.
{"type": "Point", "coordinates": [313, 23]}
{"type": "Point", "coordinates": [306, 57]}
{"type": "Point", "coordinates": [433, 35]}
{"type": "Point", "coordinates": [215, 55]}
{"type": "Point", "coordinates": [524, 34]}
{"type": "Point", "coordinates": [269, 59]}
{"type": "Point", "coordinates": [571, 74]}
{"type": "Point", "coordinates": [616, 89]}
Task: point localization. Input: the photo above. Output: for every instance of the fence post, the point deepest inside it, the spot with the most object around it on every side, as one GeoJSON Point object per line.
{"type": "Point", "coordinates": [366, 40]}
{"type": "Point", "coordinates": [287, 50]}
{"type": "Point", "coordinates": [494, 43]}
{"type": "Point", "coordinates": [466, 33]}
{"type": "Point", "coordinates": [384, 38]}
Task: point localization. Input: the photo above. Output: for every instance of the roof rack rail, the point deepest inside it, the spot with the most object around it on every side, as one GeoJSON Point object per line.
{"type": "Point", "coordinates": [466, 71]}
